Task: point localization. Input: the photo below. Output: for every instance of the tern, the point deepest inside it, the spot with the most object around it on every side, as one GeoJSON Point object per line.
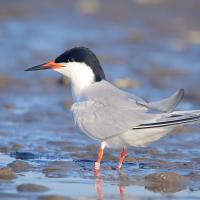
{"type": "Point", "coordinates": [111, 115]}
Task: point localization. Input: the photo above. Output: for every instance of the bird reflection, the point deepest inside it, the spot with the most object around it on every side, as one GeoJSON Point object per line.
{"type": "Point", "coordinates": [167, 182]}
{"type": "Point", "coordinates": [98, 185]}
{"type": "Point", "coordinates": [121, 186]}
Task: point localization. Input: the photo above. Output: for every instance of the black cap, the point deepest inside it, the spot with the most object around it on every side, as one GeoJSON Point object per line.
{"type": "Point", "coordinates": [83, 55]}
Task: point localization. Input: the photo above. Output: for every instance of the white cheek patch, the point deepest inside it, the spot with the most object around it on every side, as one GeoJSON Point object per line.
{"type": "Point", "coordinates": [80, 74]}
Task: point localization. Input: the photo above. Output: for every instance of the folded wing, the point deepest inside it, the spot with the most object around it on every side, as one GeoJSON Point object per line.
{"type": "Point", "coordinates": [101, 121]}
{"type": "Point", "coordinates": [109, 112]}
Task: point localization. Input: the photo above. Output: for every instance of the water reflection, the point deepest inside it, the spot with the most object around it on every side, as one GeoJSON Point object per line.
{"type": "Point", "coordinates": [121, 186]}
{"type": "Point", "coordinates": [98, 185]}
{"type": "Point", "coordinates": [166, 183]}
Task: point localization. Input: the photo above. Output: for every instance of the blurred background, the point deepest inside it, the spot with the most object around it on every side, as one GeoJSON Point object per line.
{"type": "Point", "coordinates": [148, 47]}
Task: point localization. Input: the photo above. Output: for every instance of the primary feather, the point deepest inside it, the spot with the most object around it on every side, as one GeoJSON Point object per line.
{"type": "Point", "coordinates": [172, 119]}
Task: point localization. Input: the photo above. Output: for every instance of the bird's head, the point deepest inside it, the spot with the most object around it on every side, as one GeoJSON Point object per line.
{"type": "Point", "coordinates": [79, 64]}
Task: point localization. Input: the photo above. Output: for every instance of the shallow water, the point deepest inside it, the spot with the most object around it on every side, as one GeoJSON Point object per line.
{"type": "Point", "coordinates": [153, 42]}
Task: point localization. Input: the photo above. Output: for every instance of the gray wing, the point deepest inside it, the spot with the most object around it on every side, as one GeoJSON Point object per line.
{"type": "Point", "coordinates": [110, 111]}
{"type": "Point", "coordinates": [101, 121]}
{"type": "Point", "coordinates": [108, 94]}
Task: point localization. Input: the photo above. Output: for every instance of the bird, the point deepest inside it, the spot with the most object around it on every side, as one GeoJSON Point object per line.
{"type": "Point", "coordinates": [110, 115]}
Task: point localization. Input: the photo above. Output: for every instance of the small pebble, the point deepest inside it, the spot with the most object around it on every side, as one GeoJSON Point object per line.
{"type": "Point", "coordinates": [54, 197]}
{"type": "Point", "coordinates": [166, 182]}
{"type": "Point", "coordinates": [68, 104]}
{"type": "Point", "coordinates": [126, 83]}
{"type": "Point", "coordinates": [165, 176]}
{"type": "Point", "coordinates": [20, 166]}
{"type": "Point", "coordinates": [7, 174]}
{"type": "Point", "coordinates": [89, 7]}
{"type": "Point", "coordinates": [131, 159]}
{"type": "Point", "coordinates": [23, 155]}
{"type": "Point", "coordinates": [50, 169]}
{"type": "Point", "coordinates": [30, 187]}
{"type": "Point", "coordinates": [150, 1]}
{"type": "Point", "coordinates": [194, 36]}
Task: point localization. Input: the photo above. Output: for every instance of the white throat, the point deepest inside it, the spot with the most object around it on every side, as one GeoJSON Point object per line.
{"type": "Point", "coordinates": [80, 74]}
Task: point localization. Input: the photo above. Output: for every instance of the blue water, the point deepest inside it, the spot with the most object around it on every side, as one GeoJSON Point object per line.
{"type": "Point", "coordinates": [152, 42]}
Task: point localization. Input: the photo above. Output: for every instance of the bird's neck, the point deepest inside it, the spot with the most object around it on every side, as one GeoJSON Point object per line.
{"type": "Point", "coordinates": [81, 77]}
{"type": "Point", "coordinates": [79, 87]}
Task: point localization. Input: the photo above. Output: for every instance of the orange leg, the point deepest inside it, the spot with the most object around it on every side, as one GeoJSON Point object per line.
{"type": "Point", "coordinates": [100, 156]}
{"type": "Point", "coordinates": [122, 157]}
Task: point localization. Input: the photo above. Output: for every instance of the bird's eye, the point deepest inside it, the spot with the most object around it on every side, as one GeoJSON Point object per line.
{"type": "Point", "coordinates": [71, 60]}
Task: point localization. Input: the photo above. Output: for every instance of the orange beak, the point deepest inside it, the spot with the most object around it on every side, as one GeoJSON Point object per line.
{"type": "Point", "coordinates": [49, 65]}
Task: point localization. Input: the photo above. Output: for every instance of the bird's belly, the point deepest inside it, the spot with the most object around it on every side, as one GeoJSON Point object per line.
{"type": "Point", "coordinates": [138, 138]}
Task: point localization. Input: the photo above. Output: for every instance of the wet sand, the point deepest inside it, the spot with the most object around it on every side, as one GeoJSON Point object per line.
{"type": "Point", "coordinates": [148, 47]}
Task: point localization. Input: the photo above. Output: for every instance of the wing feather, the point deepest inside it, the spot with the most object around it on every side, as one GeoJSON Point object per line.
{"type": "Point", "coordinates": [175, 118]}
{"type": "Point", "coordinates": [168, 104]}
{"type": "Point", "coordinates": [101, 121]}
{"type": "Point", "coordinates": [110, 112]}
